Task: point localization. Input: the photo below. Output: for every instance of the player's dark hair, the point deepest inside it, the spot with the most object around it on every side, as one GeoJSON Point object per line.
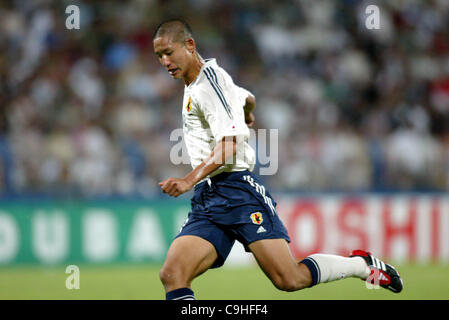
{"type": "Point", "coordinates": [177, 28]}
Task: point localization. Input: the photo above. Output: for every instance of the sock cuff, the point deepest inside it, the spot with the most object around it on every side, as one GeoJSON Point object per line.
{"type": "Point", "coordinates": [314, 270]}
{"type": "Point", "coordinates": [180, 294]}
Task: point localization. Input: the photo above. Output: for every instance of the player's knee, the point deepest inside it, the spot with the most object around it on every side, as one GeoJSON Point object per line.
{"type": "Point", "coordinates": [285, 283]}
{"type": "Point", "coordinates": [289, 282]}
{"type": "Point", "coordinates": [164, 275]}
{"type": "Point", "coordinates": [170, 276]}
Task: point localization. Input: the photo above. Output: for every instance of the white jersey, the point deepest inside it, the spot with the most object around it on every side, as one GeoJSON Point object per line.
{"type": "Point", "coordinates": [213, 109]}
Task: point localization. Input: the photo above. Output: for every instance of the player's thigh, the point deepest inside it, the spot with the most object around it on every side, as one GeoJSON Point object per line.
{"type": "Point", "coordinates": [187, 257]}
{"type": "Point", "coordinates": [277, 262]}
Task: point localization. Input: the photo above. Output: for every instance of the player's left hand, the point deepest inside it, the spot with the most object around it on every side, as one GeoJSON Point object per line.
{"type": "Point", "coordinates": [175, 186]}
{"type": "Point", "coordinates": [249, 119]}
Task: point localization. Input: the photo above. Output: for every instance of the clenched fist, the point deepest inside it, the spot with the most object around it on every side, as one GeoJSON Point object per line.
{"type": "Point", "coordinates": [175, 186]}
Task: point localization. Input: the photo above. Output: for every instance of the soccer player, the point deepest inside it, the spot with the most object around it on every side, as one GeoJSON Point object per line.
{"type": "Point", "coordinates": [230, 202]}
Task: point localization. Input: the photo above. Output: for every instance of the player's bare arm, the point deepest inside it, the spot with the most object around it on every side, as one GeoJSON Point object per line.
{"type": "Point", "coordinates": [225, 149]}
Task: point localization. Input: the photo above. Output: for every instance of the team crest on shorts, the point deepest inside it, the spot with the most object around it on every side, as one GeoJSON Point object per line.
{"type": "Point", "coordinates": [256, 217]}
{"type": "Point", "coordinates": [189, 105]}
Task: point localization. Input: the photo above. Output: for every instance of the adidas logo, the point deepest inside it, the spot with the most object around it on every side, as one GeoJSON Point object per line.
{"type": "Point", "coordinates": [382, 277]}
{"type": "Point", "coordinates": [261, 229]}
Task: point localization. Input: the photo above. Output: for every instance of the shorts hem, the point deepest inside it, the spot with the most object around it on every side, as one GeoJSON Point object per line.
{"type": "Point", "coordinates": [220, 258]}
{"type": "Point", "coordinates": [266, 238]}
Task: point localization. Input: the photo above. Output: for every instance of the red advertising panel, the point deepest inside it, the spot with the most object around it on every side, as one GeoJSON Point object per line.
{"type": "Point", "coordinates": [400, 227]}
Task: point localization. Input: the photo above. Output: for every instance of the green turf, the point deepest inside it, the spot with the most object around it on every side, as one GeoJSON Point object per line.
{"type": "Point", "coordinates": [142, 282]}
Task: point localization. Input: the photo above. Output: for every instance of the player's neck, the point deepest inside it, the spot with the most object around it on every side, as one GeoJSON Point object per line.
{"type": "Point", "coordinates": [194, 70]}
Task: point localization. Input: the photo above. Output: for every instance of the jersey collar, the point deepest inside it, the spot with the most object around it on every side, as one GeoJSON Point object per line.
{"type": "Point", "coordinates": [207, 62]}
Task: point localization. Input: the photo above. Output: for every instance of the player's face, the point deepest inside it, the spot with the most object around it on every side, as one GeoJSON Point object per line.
{"type": "Point", "coordinates": [174, 56]}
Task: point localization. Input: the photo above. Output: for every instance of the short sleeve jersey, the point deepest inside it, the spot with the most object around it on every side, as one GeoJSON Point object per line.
{"type": "Point", "coordinates": [213, 109]}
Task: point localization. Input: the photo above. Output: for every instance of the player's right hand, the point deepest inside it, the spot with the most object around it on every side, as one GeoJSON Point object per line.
{"type": "Point", "coordinates": [175, 186]}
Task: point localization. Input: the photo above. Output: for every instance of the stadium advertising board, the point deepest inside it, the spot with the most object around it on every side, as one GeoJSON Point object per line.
{"type": "Point", "coordinates": [403, 227]}
{"type": "Point", "coordinates": [82, 232]}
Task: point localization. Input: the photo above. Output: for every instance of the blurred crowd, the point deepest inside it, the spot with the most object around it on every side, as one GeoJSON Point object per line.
{"type": "Point", "coordinates": [90, 111]}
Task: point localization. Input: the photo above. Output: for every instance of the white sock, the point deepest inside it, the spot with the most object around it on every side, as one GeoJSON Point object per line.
{"type": "Point", "coordinates": [328, 267]}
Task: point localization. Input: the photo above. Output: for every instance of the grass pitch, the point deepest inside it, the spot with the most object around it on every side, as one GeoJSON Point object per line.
{"type": "Point", "coordinates": [140, 282]}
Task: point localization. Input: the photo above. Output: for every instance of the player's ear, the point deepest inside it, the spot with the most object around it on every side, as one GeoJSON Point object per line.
{"type": "Point", "coordinates": [190, 45]}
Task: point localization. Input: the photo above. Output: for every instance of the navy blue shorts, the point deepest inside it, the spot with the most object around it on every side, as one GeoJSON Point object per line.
{"type": "Point", "coordinates": [233, 206]}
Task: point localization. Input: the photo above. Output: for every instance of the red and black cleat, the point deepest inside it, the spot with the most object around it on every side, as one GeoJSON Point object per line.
{"type": "Point", "coordinates": [382, 274]}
